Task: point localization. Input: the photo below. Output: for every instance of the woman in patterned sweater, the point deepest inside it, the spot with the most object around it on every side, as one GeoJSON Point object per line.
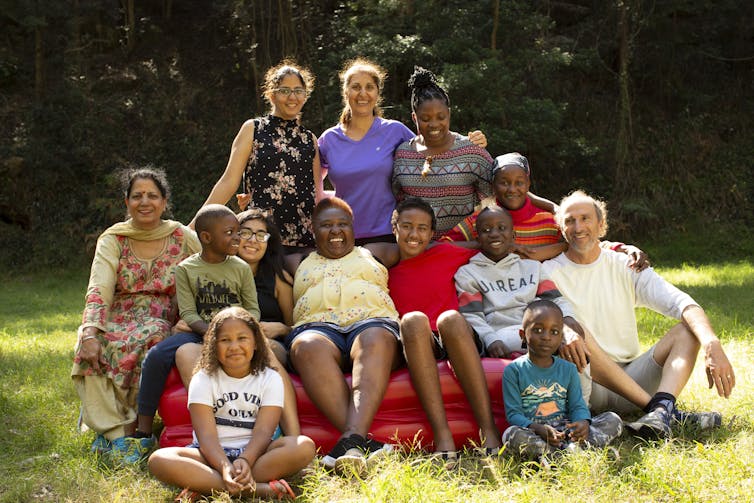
{"type": "Point", "coordinates": [440, 166]}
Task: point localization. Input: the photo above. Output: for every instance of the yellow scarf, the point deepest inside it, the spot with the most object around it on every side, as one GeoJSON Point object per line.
{"type": "Point", "coordinates": [129, 230]}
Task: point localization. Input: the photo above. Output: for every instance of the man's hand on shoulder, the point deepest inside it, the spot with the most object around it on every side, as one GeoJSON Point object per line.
{"type": "Point", "coordinates": [573, 348]}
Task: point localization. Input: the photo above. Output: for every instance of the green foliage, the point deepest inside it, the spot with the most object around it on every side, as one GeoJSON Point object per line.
{"type": "Point", "coordinates": [85, 105]}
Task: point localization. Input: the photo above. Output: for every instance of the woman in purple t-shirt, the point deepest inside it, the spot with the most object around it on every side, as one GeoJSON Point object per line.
{"type": "Point", "coordinates": [357, 153]}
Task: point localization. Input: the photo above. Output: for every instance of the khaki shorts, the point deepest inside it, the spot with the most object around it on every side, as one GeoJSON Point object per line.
{"type": "Point", "coordinates": [644, 370]}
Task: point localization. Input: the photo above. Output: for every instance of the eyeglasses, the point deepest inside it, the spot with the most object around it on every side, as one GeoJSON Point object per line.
{"type": "Point", "coordinates": [258, 236]}
{"type": "Point", "coordinates": [286, 91]}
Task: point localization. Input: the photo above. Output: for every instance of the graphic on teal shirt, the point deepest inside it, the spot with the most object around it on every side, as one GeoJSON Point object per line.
{"type": "Point", "coordinates": [544, 402]}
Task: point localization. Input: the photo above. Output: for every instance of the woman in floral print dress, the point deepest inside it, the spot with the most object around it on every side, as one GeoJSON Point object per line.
{"type": "Point", "coordinates": [129, 308]}
{"type": "Point", "coordinates": [278, 157]}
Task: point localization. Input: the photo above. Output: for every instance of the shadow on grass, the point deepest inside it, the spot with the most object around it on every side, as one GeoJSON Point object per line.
{"type": "Point", "coordinates": [36, 397]}
{"type": "Point", "coordinates": [699, 244]}
{"type": "Point", "coordinates": [42, 303]}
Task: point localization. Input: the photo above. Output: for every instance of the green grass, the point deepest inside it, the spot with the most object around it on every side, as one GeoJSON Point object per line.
{"type": "Point", "coordinates": [44, 458]}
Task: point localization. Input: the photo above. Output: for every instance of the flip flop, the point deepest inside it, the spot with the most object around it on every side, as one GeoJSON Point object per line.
{"type": "Point", "coordinates": [281, 489]}
{"type": "Point", "coordinates": [187, 495]}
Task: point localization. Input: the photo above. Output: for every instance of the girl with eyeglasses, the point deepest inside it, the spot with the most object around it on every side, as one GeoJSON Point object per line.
{"type": "Point", "coordinates": [262, 249]}
{"type": "Point", "coordinates": [277, 158]}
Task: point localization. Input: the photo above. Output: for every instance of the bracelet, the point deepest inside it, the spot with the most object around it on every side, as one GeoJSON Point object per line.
{"type": "Point", "coordinates": [616, 246]}
{"type": "Point", "coordinates": [86, 338]}
{"type": "Point", "coordinates": [247, 461]}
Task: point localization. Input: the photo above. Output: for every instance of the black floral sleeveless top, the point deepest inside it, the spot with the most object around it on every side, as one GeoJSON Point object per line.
{"type": "Point", "coordinates": [279, 176]}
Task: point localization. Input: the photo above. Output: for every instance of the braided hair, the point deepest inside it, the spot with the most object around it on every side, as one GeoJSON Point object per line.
{"type": "Point", "coordinates": [424, 87]}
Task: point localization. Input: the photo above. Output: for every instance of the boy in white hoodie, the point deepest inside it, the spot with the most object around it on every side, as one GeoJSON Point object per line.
{"type": "Point", "coordinates": [495, 287]}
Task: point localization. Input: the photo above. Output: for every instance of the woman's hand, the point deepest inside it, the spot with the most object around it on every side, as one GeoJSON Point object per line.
{"type": "Point", "coordinates": [90, 347]}
{"type": "Point", "coordinates": [243, 201]}
{"type": "Point", "coordinates": [478, 138]}
{"type": "Point", "coordinates": [274, 329]}
{"type": "Point", "coordinates": [523, 251]}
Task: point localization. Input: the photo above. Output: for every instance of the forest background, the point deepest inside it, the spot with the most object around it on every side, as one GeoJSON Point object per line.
{"type": "Point", "coordinates": [646, 103]}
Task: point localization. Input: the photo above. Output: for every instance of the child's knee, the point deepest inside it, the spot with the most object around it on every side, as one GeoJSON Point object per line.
{"type": "Point", "coordinates": [307, 447]}
{"type": "Point", "coordinates": [451, 319]}
{"type": "Point", "coordinates": [157, 461]}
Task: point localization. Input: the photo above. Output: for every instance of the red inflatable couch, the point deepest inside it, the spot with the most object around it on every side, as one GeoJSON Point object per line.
{"type": "Point", "coordinates": [400, 416]}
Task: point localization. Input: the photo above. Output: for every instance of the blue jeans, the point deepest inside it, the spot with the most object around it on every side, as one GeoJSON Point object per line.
{"type": "Point", "coordinates": [156, 367]}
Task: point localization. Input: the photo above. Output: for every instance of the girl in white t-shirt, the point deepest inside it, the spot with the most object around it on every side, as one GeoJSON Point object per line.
{"type": "Point", "coordinates": [235, 400]}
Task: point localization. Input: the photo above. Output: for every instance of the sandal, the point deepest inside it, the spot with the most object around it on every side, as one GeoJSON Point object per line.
{"type": "Point", "coordinates": [445, 459]}
{"type": "Point", "coordinates": [488, 452]}
{"type": "Point", "coordinates": [187, 495]}
{"type": "Point", "coordinates": [281, 489]}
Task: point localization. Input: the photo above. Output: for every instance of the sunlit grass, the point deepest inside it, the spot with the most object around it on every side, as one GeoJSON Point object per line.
{"type": "Point", "coordinates": [44, 458]}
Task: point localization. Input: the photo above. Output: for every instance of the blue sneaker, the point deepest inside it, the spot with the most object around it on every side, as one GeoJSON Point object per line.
{"type": "Point", "coordinates": [131, 450]}
{"type": "Point", "coordinates": [101, 445]}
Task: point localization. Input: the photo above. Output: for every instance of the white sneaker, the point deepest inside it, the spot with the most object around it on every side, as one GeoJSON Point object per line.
{"type": "Point", "coordinates": [352, 463]}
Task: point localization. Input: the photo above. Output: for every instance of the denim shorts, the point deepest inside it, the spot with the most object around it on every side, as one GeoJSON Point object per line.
{"type": "Point", "coordinates": [234, 452]}
{"type": "Point", "coordinates": [442, 354]}
{"type": "Point", "coordinates": [343, 337]}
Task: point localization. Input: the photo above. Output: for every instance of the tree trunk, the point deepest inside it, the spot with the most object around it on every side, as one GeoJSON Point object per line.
{"type": "Point", "coordinates": [75, 46]}
{"type": "Point", "coordinates": [167, 9]}
{"type": "Point", "coordinates": [623, 169]}
{"type": "Point", "coordinates": [130, 25]}
{"type": "Point", "coordinates": [495, 23]}
{"type": "Point", "coordinates": [286, 29]}
{"type": "Point", "coordinates": [253, 64]}
{"type": "Point", "coordinates": [39, 77]}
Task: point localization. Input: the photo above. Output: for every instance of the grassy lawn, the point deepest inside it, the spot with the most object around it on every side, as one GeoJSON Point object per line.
{"type": "Point", "coordinates": [44, 458]}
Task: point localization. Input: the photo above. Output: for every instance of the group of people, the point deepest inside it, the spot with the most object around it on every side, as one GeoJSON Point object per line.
{"type": "Point", "coordinates": [402, 265]}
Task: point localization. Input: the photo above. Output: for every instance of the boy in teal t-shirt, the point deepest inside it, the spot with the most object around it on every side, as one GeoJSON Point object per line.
{"type": "Point", "coordinates": [542, 393]}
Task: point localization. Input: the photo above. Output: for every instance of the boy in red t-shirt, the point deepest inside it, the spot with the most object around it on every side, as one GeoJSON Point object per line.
{"type": "Point", "coordinates": [424, 293]}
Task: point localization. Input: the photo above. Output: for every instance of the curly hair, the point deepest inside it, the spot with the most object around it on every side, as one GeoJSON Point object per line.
{"type": "Point", "coordinates": [273, 257]}
{"type": "Point", "coordinates": [351, 68]}
{"type": "Point", "coordinates": [424, 87]}
{"type": "Point", "coordinates": [275, 75]}
{"type": "Point", "coordinates": [209, 362]}
{"type": "Point", "coordinates": [600, 208]}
